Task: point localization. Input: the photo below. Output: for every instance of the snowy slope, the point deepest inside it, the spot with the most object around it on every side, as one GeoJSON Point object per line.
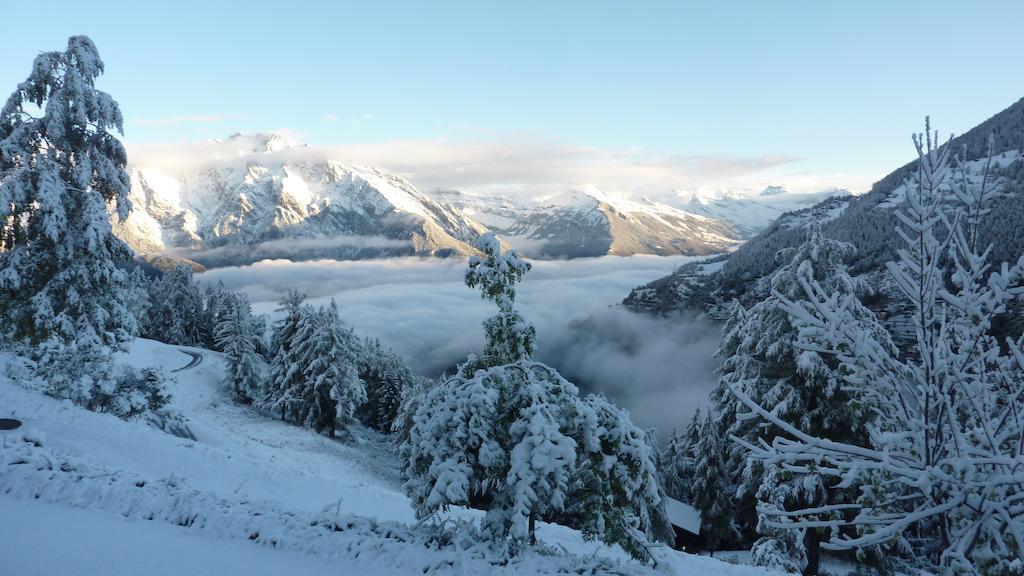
{"type": "Point", "coordinates": [103, 496]}
{"type": "Point", "coordinates": [257, 196]}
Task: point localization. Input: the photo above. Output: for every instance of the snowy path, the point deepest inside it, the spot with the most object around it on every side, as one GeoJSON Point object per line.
{"type": "Point", "coordinates": [242, 470]}
{"type": "Point", "coordinates": [197, 358]}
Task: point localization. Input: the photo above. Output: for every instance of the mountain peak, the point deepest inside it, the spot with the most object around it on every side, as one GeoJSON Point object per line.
{"type": "Point", "coordinates": [259, 142]}
{"type": "Point", "coordinates": [774, 191]}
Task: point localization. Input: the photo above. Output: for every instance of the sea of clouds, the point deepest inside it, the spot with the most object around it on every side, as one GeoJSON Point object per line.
{"type": "Point", "coordinates": [659, 369]}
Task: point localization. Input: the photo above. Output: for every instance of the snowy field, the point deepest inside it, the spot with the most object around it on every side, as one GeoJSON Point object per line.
{"type": "Point", "coordinates": [95, 495]}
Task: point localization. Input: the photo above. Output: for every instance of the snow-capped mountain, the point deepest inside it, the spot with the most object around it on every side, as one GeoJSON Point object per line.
{"type": "Point", "coordinates": [750, 214]}
{"type": "Point", "coordinates": [265, 196]}
{"type": "Point", "coordinates": [592, 222]}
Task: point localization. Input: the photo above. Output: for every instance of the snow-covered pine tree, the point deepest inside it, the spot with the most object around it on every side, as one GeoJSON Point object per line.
{"type": "Point", "coordinates": [777, 549]}
{"type": "Point", "coordinates": [176, 314]}
{"type": "Point", "coordinates": [331, 390]}
{"type": "Point", "coordinates": [259, 331]}
{"type": "Point", "coordinates": [801, 386]}
{"type": "Point", "coordinates": [677, 459]}
{"type": "Point", "coordinates": [711, 491]}
{"type": "Point", "coordinates": [509, 336]}
{"type": "Point", "coordinates": [941, 479]}
{"type": "Point", "coordinates": [137, 298]}
{"type": "Point", "coordinates": [386, 376]}
{"type": "Point", "coordinates": [285, 367]}
{"type": "Point", "coordinates": [213, 297]}
{"type": "Point", "coordinates": [235, 338]}
{"type": "Point", "coordinates": [515, 439]}
{"type": "Point", "coordinates": [616, 495]}
{"type": "Point", "coordinates": [61, 268]}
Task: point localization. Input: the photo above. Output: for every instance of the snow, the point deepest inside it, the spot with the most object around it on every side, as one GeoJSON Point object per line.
{"type": "Point", "coordinates": [683, 515]}
{"type": "Point", "coordinates": [140, 547]}
{"type": "Point", "coordinates": [93, 482]}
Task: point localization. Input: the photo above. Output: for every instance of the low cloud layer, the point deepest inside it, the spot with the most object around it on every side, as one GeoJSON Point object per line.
{"type": "Point", "coordinates": [290, 247]}
{"type": "Point", "coordinates": [661, 370]}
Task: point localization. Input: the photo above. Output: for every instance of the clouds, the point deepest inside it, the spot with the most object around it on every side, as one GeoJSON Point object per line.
{"type": "Point", "coordinates": [659, 369]}
{"type": "Point", "coordinates": [538, 169]}
{"type": "Point", "coordinates": [293, 247]}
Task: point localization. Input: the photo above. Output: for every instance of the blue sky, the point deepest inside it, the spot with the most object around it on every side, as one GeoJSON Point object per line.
{"type": "Point", "coordinates": [826, 89]}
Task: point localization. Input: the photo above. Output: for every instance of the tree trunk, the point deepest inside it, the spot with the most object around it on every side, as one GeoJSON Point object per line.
{"type": "Point", "coordinates": [812, 543]}
{"type": "Point", "coordinates": [533, 528]}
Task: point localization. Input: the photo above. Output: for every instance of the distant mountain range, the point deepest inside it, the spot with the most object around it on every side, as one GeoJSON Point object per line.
{"type": "Point", "coordinates": [747, 214]}
{"type": "Point", "coordinates": [866, 221]}
{"type": "Point", "coordinates": [257, 196]}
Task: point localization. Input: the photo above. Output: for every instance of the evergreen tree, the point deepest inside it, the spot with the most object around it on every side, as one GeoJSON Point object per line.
{"type": "Point", "coordinates": [176, 314]}
{"type": "Point", "coordinates": [511, 436]}
{"type": "Point", "coordinates": [331, 390]}
{"type": "Point", "coordinates": [677, 460]}
{"type": "Point", "coordinates": [711, 491]}
{"type": "Point", "coordinates": [285, 367]}
{"type": "Point", "coordinates": [61, 268]}
{"type": "Point", "coordinates": [386, 376]}
{"type": "Point", "coordinates": [940, 480]}
{"type": "Point", "coordinates": [616, 496]}
{"type": "Point", "coordinates": [802, 387]}
{"type": "Point", "coordinates": [137, 299]}
{"type": "Point", "coordinates": [509, 336]}
{"type": "Point", "coordinates": [235, 338]}
{"type": "Point", "coordinates": [213, 298]}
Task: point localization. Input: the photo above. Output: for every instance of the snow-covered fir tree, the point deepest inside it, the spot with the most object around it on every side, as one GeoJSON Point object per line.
{"type": "Point", "coordinates": [509, 336]}
{"type": "Point", "coordinates": [176, 311]}
{"type": "Point", "coordinates": [677, 459]}
{"type": "Point", "coordinates": [387, 377]}
{"type": "Point", "coordinates": [615, 495]}
{"type": "Point", "coordinates": [214, 295]}
{"type": "Point", "coordinates": [802, 387]}
{"type": "Point", "coordinates": [778, 549]}
{"type": "Point", "coordinates": [711, 492]}
{"type": "Point", "coordinates": [137, 298]}
{"type": "Point", "coordinates": [331, 390]}
{"type": "Point", "coordinates": [511, 436]}
{"type": "Point", "coordinates": [66, 292]}
{"type": "Point", "coordinates": [285, 366]}
{"type": "Point", "coordinates": [235, 337]}
{"type": "Point", "coordinates": [314, 376]}
{"type": "Point", "coordinates": [940, 479]}
{"type": "Point", "coordinates": [62, 274]}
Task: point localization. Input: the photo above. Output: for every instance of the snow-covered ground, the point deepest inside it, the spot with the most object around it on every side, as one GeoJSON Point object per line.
{"type": "Point", "coordinates": [86, 493]}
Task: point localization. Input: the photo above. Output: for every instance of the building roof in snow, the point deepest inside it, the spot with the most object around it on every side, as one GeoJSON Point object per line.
{"type": "Point", "coordinates": [682, 515]}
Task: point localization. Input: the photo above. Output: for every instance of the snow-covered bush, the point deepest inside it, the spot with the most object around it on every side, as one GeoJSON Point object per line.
{"type": "Point", "coordinates": [615, 495]}
{"type": "Point", "coordinates": [941, 479]}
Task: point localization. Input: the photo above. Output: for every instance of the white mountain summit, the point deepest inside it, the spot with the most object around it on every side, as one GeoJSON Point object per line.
{"type": "Point", "coordinates": [264, 196]}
